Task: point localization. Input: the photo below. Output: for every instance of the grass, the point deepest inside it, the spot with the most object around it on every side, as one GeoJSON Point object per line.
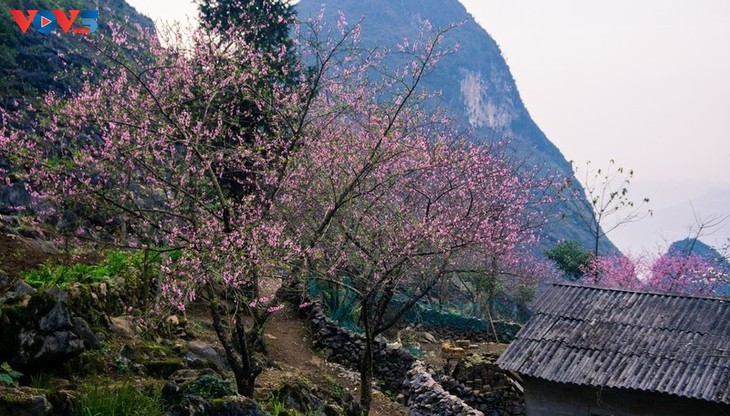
{"type": "Point", "coordinates": [41, 381]}
{"type": "Point", "coordinates": [119, 400]}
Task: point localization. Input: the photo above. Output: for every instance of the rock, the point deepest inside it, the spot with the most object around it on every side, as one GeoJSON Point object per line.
{"type": "Point", "coordinates": [39, 333]}
{"type": "Point", "coordinates": [189, 374]}
{"type": "Point", "coordinates": [236, 406]}
{"type": "Point", "coordinates": [191, 406]}
{"type": "Point", "coordinates": [57, 319]}
{"type": "Point", "coordinates": [173, 320]}
{"type": "Point", "coordinates": [40, 350]}
{"type": "Point", "coordinates": [123, 326]}
{"type": "Point", "coordinates": [4, 279]}
{"type": "Point", "coordinates": [207, 352]}
{"type": "Point", "coordinates": [298, 397]}
{"type": "Point", "coordinates": [163, 368]}
{"type": "Point", "coordinates": [20, 291]}
{"type": "Point", "coordinates": [171, 394]}
{"type": "Point", "coordinates": [62, 402]}
{"type": "Point", "coordinates": [23, 402]}
{"type": "Point", "coordinates": [129, 353]}
{"type": "Point", "coordinates": [427, 337]}
{"type": "Point", "coordinates": [82, 329]}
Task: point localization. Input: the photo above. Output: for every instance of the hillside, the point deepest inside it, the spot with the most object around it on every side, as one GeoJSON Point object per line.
{"type": "Point", "coordinates": [32, 63]}
{"type": "Point", "coordinates": [476, 84]}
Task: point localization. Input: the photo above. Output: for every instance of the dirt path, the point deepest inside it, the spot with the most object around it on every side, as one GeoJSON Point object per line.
{"type": "Point", "coordinates": [290, 346]}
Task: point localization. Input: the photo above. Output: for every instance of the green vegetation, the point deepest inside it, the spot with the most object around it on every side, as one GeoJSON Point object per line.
{"type": "Point", "coordinates": [8, 375]}
{"type": "Point", "coordinates": [210, 387]}
{"type": "Point", "coordinates": [276, 407]}
{"type": "Point", "coordinates": [116, 263]}
{"type": "Point", "coordinates": [41, 381]}
{"type": "Point", "coordinates": [570, 258]}
{"type": "Point", "coordinates": [119, 400]}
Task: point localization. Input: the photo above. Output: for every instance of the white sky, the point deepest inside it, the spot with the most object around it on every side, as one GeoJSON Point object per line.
{"type": "Point", "coordinates": [646, 83]}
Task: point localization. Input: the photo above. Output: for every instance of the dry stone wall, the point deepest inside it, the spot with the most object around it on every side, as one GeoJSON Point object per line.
{"type": "Point", "coordinates": [427, 397]}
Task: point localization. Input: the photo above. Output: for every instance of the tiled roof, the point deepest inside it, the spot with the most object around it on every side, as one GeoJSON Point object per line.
{"type": "Point", "coordinates": [666, 343]}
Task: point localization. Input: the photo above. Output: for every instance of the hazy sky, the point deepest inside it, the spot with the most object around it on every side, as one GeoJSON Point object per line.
{"type": "Point", "coordinates": [646, 83]}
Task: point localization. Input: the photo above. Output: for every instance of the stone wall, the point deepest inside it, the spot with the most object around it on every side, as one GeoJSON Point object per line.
{"type": "Point", "coordinates": [545, 398]}
{"type": "Point", "coordinates": [501, 401]}
{"type": "Point", "coordinates": [345, 347]}
{"type": "Point", "coordinates": [43, 329]}
{"type": "Point", "coordinates": [427, 397]}
{"type": "Point", "coordinates": [506, 332]}
{"type": "Point", "coordinates": [95, 302]}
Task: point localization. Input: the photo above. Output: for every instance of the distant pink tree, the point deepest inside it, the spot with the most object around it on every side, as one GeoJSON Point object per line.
{"type": "Point", "coordinates": [671, 272]}
{"type": "Point", "coordinates": [615, 271]}
{"type": "Point", "coordinates": [688, 273]}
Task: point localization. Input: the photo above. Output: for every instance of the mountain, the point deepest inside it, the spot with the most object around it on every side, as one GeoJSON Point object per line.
{"type": "Point", "coordinates": [697, 247]}
{"type": "Point", "coordinates": [477, 86]}
{"type": "Point", "coordinates": [33, 63]}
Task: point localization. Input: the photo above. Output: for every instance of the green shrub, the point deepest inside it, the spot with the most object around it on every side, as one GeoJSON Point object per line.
{"type": "Point", "coordinates": [119, 400]}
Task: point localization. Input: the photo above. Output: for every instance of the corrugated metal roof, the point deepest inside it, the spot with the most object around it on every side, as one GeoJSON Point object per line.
{"type": "Point", "coordinates": [668, 343]}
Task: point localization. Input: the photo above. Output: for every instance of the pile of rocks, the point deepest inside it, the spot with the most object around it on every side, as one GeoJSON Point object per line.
{"type": "Point", "coordinates": [427, 397]}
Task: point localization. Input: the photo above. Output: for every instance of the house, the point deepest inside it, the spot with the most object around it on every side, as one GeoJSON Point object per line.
{"type": "Point", "coordinates": [596, 351]}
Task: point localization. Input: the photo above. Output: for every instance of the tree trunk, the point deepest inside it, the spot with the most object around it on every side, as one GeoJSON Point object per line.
{"type": "Point", "coordinates": [366, 375]}
{"type": "Point", "coordinates": [245, 383]}
{"type": "Point", "coordinates": [239, 348]}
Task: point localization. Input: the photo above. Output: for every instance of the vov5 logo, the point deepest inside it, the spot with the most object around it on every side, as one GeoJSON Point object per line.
{"type": "Point", "coordinates": [45, 21]}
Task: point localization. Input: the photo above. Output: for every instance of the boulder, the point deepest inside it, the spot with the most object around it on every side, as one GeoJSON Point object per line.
{"type": "Point", "coordinates": [124, 326]}
{"type": "Point", "coordinates": [235, 406]}
{"type": "Point", "coordinates": [4, 279]}
{"type": "Point", "coordinates": [23, 402]}
{"type": "Point", "coordinates": [82, 329]}
{"type": "Point", "coordinates": [206, 352]}
{"type": "Point", "coordinates": [19, 292]}
{"type": "Point", "coordinates": [57, 319]}
{"type": "Point", "coordinates": [427, 337]}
